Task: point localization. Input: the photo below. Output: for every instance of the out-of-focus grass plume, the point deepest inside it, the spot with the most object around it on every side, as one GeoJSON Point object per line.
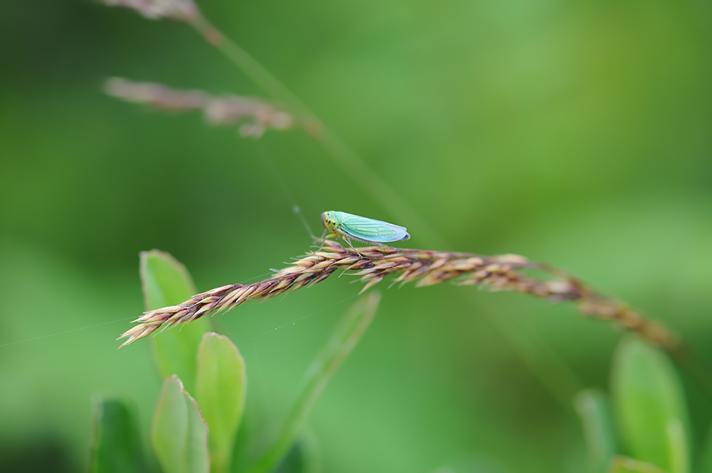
{"type": "Point", "coordinates": [232, 109]}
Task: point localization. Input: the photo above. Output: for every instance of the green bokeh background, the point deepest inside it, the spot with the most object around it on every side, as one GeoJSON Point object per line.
{"type": "Point", "coordinates": [576, 133]}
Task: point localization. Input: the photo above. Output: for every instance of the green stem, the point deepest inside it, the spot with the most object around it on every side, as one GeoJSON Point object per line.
{"type": "Point", "coordinates": [345, 337]}
{"type": "Point", "coordinates": [252, 68]}
{"type": "Point", "coordinates": [598, 432]}
{"type": "Point", "coordinates": [539, 359]}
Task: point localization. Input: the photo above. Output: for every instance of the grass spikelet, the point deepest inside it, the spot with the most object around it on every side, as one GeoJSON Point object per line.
{"type": "Point", "coordinates": [424, 267]}
{"type": "Point", "coordinates": [254, 116]}
{"type": "Point", "coordinates": [182, 10]}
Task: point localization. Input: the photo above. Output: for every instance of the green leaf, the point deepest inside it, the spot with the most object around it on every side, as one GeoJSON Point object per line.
{"type": "Point", "coordinates": [220, 392]}
{"type": "Point", "coordinates": [166, 282]}
{"type": "Point", "coordinates": [650, 406]}
{"type": "Point", "coordinates": [679, 450]}
{"type": "Point", "coordinates": [629, 465]}
{"type": "Point", "coordinates": [116, 446]}
{"type": "Point", "coordinates": [179, 433]}
{"type": "Point", "coordinates": [345, 337]}
{"type": "Point", "coordinates": [592, 407]}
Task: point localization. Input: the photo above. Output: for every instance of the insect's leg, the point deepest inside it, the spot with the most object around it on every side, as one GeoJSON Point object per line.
{"type": "Point", "coordinates": [348, 240]}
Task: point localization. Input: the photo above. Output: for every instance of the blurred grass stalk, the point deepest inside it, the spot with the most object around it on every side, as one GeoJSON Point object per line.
{"type": "Point", "coordinates": [343, 340]}
{"type": "Point", "coordinates": [592, 407]}
{"type": "Point", "coordinates": [217, 110]}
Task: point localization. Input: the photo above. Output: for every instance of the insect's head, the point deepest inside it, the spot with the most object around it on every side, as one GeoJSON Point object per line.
{"type": "Point", "coordinates": [329, 221]}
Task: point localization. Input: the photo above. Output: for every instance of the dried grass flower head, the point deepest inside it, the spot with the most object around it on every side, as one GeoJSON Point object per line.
{"type": "Point", "coordinates": [182, 10]}
{"type": "Point", "coordinates": [373, 264]}
{"type": "Point", "coordinates": [253, 116]}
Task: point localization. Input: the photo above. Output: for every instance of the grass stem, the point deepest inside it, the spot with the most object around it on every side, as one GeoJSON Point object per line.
{"type": "Point", "coordinates": [343, 340]}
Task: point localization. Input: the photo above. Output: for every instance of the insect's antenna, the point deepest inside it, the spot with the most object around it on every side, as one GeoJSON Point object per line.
{"type": "Point", "coordinates": [296, 209]}
{"type": "Point", "coordinates": [319, 241]}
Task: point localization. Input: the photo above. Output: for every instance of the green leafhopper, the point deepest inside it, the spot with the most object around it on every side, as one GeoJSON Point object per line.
{"type": "Point", "coordinates": [364, 229]}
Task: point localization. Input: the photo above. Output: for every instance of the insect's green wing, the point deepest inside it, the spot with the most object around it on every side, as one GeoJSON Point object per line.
{"type": "Point", "coordinates": [368, 229]}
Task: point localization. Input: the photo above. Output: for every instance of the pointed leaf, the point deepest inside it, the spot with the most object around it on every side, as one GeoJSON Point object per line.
{"type": "Point", "coordinates": [592, 407]}
{"type": "Point", "coordinates": [628, 465]}
{"type": "Point", "coordinates": [679, 450]}
{"type": "Point", "coordinates": [116, 446]}
{"type": "Point", "coordinates": [220, 392]}
{"type": "Point", "coordinates": [345, 337]}
{"type": "Point", "coordinates": [650, 406]}
{"type": "Point", "coordinates": [179, 433]}
{"type": "Point", "coordinates": [166, 282]}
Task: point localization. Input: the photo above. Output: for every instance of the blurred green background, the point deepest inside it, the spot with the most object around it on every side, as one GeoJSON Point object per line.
{"type": "Point", "coordinates": [576, 133]}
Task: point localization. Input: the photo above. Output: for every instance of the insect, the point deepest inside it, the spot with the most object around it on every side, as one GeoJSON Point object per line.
{"type": "Point", "coordinates": [363, 229]}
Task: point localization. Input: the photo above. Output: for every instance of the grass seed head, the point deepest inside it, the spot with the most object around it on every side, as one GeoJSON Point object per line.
{"type": "Point", "coordinates": [182, 10]}
{"type": "Point", "coordinates": [253, 116]}
{"type": "Point", "coordinates": [373, 264]}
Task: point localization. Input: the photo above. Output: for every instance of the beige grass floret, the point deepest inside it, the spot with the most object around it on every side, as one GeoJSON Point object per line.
{"type": "Point", "coordinates": [254, 116]}
{"type": "Point", "coordinates": [183, 10]}
{"type": "Point", "coordinates": [373, 264]}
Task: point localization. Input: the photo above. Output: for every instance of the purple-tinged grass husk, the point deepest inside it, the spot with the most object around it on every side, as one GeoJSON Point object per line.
{"type": "Point", "coordinates": [373, 264]}
{"type": "Point", "coordinates": [254, 116]}
{"type": "Point", "coordinates": [181, 10]}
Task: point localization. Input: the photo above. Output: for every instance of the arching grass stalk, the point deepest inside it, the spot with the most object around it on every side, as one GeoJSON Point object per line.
{"type": "Point", "coordinates": [425, 267]}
